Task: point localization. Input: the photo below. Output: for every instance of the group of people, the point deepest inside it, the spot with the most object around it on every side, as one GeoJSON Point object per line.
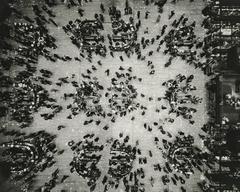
{"type": "Point", "coordinates": [233, 101]}
{"type": "Point", "coordinates": [28, 155]}
{"type": "Point", "coordinates": [86, 158]}
{"type": "Point", "coordinates": [86, 35]}
{"type": "Point", "coordinates": [178, 93]}
{"type": "Point", "coordinates": [27, 93]}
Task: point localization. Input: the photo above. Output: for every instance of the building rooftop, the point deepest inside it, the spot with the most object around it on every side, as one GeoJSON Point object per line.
{"type": "Point", "coordinates": [229, 2]}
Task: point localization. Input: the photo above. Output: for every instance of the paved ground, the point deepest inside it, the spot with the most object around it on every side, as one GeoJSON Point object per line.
{"type": "Point", "coordinates": [151, 87]}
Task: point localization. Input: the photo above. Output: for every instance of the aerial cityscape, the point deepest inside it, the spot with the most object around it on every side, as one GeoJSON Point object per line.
{"type": "Point", "coordinates": [120, 95]}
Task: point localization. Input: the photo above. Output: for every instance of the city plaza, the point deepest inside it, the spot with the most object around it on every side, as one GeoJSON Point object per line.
{"type": "Point", "coordinates": [113, 96]}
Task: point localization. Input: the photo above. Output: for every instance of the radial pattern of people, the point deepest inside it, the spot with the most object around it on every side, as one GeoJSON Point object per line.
{"type": "Point", "coordinates": [104, 95]}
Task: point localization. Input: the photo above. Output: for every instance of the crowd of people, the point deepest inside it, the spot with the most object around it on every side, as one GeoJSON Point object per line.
{"type": "Point", "coordinates": [232, 100]}
{"type": "Point", "coordinates": [28, 155]}
{"type": "Point", "coordinates": [25, 94]}
{"type": "Point", "coordinates": [86, 158]}
{"type": "Point", "coordinates": [178, 93]}
{"type": "Point", "coordinates": [87, 99]}
{"type": "Point", "coordinates": [86, 35]}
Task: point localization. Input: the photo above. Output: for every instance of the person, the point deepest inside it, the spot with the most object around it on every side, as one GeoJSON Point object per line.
{"type": "Point", "coordinates": [146, 14]}
{"type": "Point", "coordinates": [138, 14]}
{"type": "Point", "coordinates": [158, 19]}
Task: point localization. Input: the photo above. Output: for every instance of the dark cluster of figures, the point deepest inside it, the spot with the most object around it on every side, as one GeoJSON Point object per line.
{"type": "Point", "coordinates": [28, 155]}
{"type": "Point", "coordinates": [184, 156]}
{"type": "Point", "coordinates": [25, 94]}
{"type": "Point", "coordinates": [86, 158]}
{"type": "Point", "coordinates": [178, 94]}
{"type": "Point", "coordinates": [88, 152]}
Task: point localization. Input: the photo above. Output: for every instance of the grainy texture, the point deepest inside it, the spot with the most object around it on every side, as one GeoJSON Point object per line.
{"type": "Point", "coordinates": [151, 86]}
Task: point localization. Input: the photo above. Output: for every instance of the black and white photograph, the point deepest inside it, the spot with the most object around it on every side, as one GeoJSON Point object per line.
{"type": "Point", "coordinates": [119, 95]}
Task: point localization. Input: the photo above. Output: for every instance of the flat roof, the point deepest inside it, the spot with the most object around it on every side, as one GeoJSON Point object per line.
{"type": "Point", "coordinates": [230, 2]}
